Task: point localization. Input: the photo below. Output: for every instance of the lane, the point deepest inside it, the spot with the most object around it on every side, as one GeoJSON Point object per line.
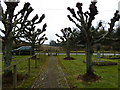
{"type": "Point", "coordinates": [52, 76]}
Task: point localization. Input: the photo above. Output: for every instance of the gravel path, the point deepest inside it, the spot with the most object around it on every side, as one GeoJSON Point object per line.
{"type": "Point", "coordinates": [52, 76]}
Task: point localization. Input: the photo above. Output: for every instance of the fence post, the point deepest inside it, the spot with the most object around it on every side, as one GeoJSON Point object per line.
{"type": "Point", "coordinates": [29, 66]}
{"type": "Point", "coordinates": [35, 63]}
{"type": "Point", "coordinates": [15, 76]}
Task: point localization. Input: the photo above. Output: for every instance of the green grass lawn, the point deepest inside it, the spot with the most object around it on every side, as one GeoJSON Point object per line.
{"type": "Point", "coordinates": [73, 68]}
{"type": "Point", "coordinates": [22, 69]}
{"type": "Point", "coordinates": [84, 51]}
{"type": "Point", "coordinates": [34, 72]}
{"type": "Point", "coordinates": [17, 58]}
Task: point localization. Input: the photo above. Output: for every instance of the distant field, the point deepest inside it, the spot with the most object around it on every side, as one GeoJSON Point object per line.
{"type": "Point", "coordinates": [73, 68]}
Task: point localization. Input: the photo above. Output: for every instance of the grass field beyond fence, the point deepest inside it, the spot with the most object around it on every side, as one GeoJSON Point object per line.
{"type": "Point", "coordinates": [73, 68]}
{"type": "Point", "coordinates": [22, 70]}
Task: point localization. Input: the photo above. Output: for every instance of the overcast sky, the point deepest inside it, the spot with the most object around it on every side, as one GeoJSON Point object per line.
{"type": "Point", "coordinates": [56, 13]}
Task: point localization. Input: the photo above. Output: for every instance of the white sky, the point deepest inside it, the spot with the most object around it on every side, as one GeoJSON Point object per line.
{"type": "Point", "coordinates": [56, 13]}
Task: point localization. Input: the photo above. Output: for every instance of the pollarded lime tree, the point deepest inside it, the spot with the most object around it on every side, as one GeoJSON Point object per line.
{"type": "Point", "coordinates": [14, 25]}
{"type": "Point", "coordinates": [118, 36]}
{"type": "Point", "coordinates": [115, 40]}
{"type": "Point", "coordinates": [33, 36]}
{"type": "Point", "coordinates": [10, 22]}
{"type": "Point", "coordinates": [68, 40]}
{"type": "Point", "coordinates": [83, 21]}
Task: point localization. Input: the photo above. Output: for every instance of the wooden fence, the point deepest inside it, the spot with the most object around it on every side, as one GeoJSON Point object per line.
{"type": "Point", "coordinates": [14, 66]}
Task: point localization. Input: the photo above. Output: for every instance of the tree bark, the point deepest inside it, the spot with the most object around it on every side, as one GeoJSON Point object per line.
{"type": "Point", "coordinates": [68, 53]}
{"type": "Point", "coordinates": [9, 13]}
{"type": "Point", "coordinates": [68, 49]}
{"type": "Point", "coordinates": [114, 53]}
{"type": "Point", "coordinates": [8, 55]}
{"type": "Point", "coordinates": [89, 69]}
{"type": "Point", "coordinates": [103, 53]}
{"type": "Point", "coordinates": [33, 46]}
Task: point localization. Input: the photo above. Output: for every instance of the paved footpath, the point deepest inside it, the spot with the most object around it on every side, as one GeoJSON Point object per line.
{"type": "Point", "coordinates": [52, 76]}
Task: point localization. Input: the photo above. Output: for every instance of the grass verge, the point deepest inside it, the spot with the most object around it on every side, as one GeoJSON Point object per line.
{"type": "Point", "coordinates": [73, 68]}
{"type": "Point", "coordinates": [22, 70]}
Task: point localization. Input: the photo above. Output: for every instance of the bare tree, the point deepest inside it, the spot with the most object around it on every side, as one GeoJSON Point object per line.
{"type": "Point", "coordinates": [31, 35]}
{"type": "Point", "coordinates": [83, 21]}
{"type": "Point", "coordinates": [68, 40]}
{"type": "Point", "coordinates": [14, 25]}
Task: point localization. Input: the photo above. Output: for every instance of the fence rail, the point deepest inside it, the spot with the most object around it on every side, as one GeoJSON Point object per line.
{"type": "Point", "coordinates": [14, 66]}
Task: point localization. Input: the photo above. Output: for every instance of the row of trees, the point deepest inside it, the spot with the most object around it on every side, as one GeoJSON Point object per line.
{"type": "Point", "coordinates": [87, 34]}
{"type": "Point", "coordinates": [19, 28]}
{"type": "Point", "coordinates": [69, 39]}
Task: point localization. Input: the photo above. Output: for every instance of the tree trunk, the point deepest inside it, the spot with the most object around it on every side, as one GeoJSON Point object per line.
{"type": "Point", "coordinates": [76, 51]}
{"type": "Point", "coordinates": [103, 53]}
{"type": "Point", "coordinates": [68, 53]}
{"type": "Point", "coordinates": [114, 53]}
{"type": "Point", "coordinates": [68, 49]}
{"type": "Point", "coordinates": [8, 55]}
{"type": "Point", "coordinates": [89, 69]}
{"type": "Point", "coordinates": [8, 35]}
{"type": "Point", "coordinates": [33, 47]}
